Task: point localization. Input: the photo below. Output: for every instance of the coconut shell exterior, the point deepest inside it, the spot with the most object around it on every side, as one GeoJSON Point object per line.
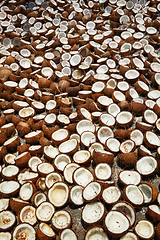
{"type": "Point", "coordinates": [43, 236]}
{"type": "Point", "coordinates": [127, 160]}
{"type": "Point", "coordinates": [102, 157]}
{"type": "Point", "coordinates": [122, 134]}
{"type": "Point", "coordinates": [17, 206]}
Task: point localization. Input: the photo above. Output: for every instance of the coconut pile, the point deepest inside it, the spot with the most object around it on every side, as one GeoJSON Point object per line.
{"type": "Point", "coordinates": [80, 119]}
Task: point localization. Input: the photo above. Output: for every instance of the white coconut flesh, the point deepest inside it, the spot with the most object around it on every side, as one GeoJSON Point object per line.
{"type": "Point", "coordinates": [51, 151]}
{"type": "Point", "coordinates": [33, 134]}
{"type": "Point", "coordinates": [29, 93]}
{"type": "Point", "coordinates": [10, 158]}
{"type": "Point", "coordinates": [102, 69]}
{"type": "Point", "coordinates": [68, 146]}
{"type": "Point", "coordinates": [8, 125]}
{"type": "Point", "coordinates": [23, 83]}
{"type": "Point", "coordinates": [24, 230]}
{"type": "Point", "coordinates": [33, 163]}
{"type": "Point", "coordinates": [146, 165]}
{"type": "Point", "coordinates": [98, 87]}
{"type": "Point", "coordinates": [10, 140]}
{"type": "Point", "coordinates": [129, 236]}
{"type": "Point", "coordinates": [104, 133]}
{"type": "Point", "coordinates": [124, 117]}
{"type": "Point", "coordinates": [130, 177]}
{"type": "Point", "coordinates": [103, 171]}
{"type": "Point", "coordinates": [150, 116]}
{"type": "Point", "coordinates": [96, 233]}
{"type": "Point", "coordinates": [22, 177]}
{"type": "Point", "coordinates": [8, 187]}
{"type": "Point", "coordinates": [25, 63]}
{"type": "Point", "coordinates": [155, 208]}
{"type": "Point", "coordinates": [7, 219]}
{"type": "Point", "coordinates": [107, 119]}
{"type": "Point", "coordinates": [91, 191]}
{"type": "Point", "coordinates": [38, 105]}
{"type": "Point", "coordinates": [68, 234]}
{"type": "Point", "coordinates": [93, 212]}
{"type": "Point", "coordinates": [82, 176]}
{"type": "Point", "coordinates": [26, 112]}
{"type": "Point", "coordinates": [144, 229]}
{"type": "Point", "coordinates": [143, 148]}
{"type": "Point", "coordinates": [26, 191]}
{"type": "Point", "coordinates": [81, 156]}
{"type": "Point", "coordinates": [28, 215]}
{"type": "Point", "coordinates": [154, 94]}
{"type": "Point", "coordinates": [61, 219]}
{"type": "Point", "coordinates": [39, 198]}
{"type": "Point", "coordinates": [137, 137]}
{"type": "Point", "coordinates": [58, 194]}
{"type": "Point", "coordinates": [123, 86]}
{"type": "Point", "coordinates": [133, 93]}
{"type": "Point", "coordinates": [113, 109]}
{"type": "Point", "coordinates": [50, 105]}
{"type": "Point", "coordinates": [47, 230]}
{"type": "Point", "coordinates": [127, 146]}
{"type": "Point", "coordinates": [134, 195]}
{"type": "Point", "coordinates": [4, 204]}
{"type": "Point", "coordinates": [45, 168]}
{"type": "Point", "coordinates": [5, 236]}
{"type": "Point", "coordinates": [113, 144]}
{"type": "Point", "coordinates": [143, 86]}
{"type": "Point", "coordinates": [138, 63]}
{"type": "Point", "coordinates": [63, 119]}
{"type": "Point", "coordinates": [45, 211]}
{"type": "Point", "coordinates": [85, 125]}
{"type": "Point", "coordinates": [116, 222]}
{"type": "Point", "coordinates": [61, 161]}
{"type": "Point", "coordinates": [157, 78]}
{"type": "Point", "coordinates": [119, 96]}
{"type": "Point", "coordinates": [47, 72]}
{"type": "Point", "coordinates": [10, 171]}
{"type": "Point", "coordinates": [75, 60]}
{"type": "Point", "coordinates": [155, 66]}
{"type": "Point", "coordinates": [68, 171]}
{"type": "Point", "coordinates": [96, 146]}
{"type": "Point", "coordinates": [87, 138]}
{"type": "Point", "coordinates": [111, 194]}
{"type": "Point", "coordinates": [85, 113]}
{"type": "Point", "coordinates": [34, 147]}
{"type": "Point", "coordinates": [50, 118]}
{"type": "Point", "coordinates": [127, 210]}
{"type": "Point", "coordinates": [146, 191]}
{"type": "Point", "coordinates": [104, 101]}
{"type": "Point", "coordinates": [76, 195]}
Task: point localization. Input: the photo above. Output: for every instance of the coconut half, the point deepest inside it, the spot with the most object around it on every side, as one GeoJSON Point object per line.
{"type": "Point", "coordinates": [24, 230]}
{"type": "Point", "coordinates": [92, 191]}
{"type": "Point", "coordinates": [145, 229]}
{"type": "Point", "coordinates": [96, 232]}
{"type": "Point", "coordinates": [128, 177]}
{"type": "Point", "coordinates": [134, 195]}
{"type": "Point", "coordinates": [82, 176]}
{"type": "Point", "coordinates": [45, 211]}
{"type": "Point", "coordinates": [146, 165]}
{"type": "Point", "coordinates": [68, 234]}
{"type": "Point", "coordinates": [7, 220]}
{"type": "Point", "coordinates": [111, 194]}
{"type": "Point", "coordinates": [76, 195]}
{"type": "Point", "coordinates": [28, 215]}
{"type": "Point", "coordinates": [103, 171]}
{"type": "Point", "coordinates": [61, 220]}
{"type": "Point", "coordinates": [93, 213]}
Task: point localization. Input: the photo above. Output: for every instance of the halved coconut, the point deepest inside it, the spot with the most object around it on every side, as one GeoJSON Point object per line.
{"type": "Point", "coordinates": [118, 96]}
{"type": "Point", "coordinates": [127, 209]}
{"type": "Point", "coordinates": [116, 223]}
{"type": "Point", "coordinates": [103, 171]}
{"type": "Point", "coordinates": [137, 137]}
{"type": "Point", "coordinates": [76, 197]}
{"type": "Point", "coordinates": [68, 147]}
{"type": "Point", "coordinates": [149, 192]}
{"type": "Point", "coordinates": [104, 101]}
{"type": "Point", "coordinates": [50, 152]}
{"type": "Point", "coordinates": [33, 137]}
{"type": "Point", "coordinates": [75, 60]}
{"type": "Point", "coordinates": [134, 195]}
{"type": "Point", "coordinates": [10, 172]}
{"type": "Point", "coordinates": [4, 204]}
{"type": "Point", "coordinates": [26, 191]}
{"type": "Point", "coordinates": [61, 161]}
{"type": "Point", "coordinates": [151, 140]}
{"type": "Point", "coordinates": [145, 229]}
{"type": "Point", "coordinates": [98, 87]}
{"type": "Point", "coordinates": [51, 105]}
{"type": "Point", "coordinates": [50, 119]}
{"type": "Point", "coordinates": [92, 191]}
{"type": "Point", "coordinates": [93, 213]}
{"type": "Point", "coordinates": [23, 231]}
{"type": "Point", "coordinates": [45, 168]}
{"type": "Point", "coordinates": [38, 106]}
{"type": "Point", "coordinates": [58, 194]}
{"type": "Point", "coordinates": [9, 188]}
{"type": "Point", "coordinates": [7, 220]}
{"type": "Point", "coordinates": [61, 220]}
{"type": "Point", "coordinates": [38, 198]}
{"type": "Point", "coordinates": [85, 125]}
{"type": "Point", "coordinates": [124, 119]}
{"type": "Point", "coordinates": [95, 146]}
{"type": "Point", "coordinates": [5, 236]}
{"type": "Point", "coordinates": [146, 165]}
{"type": "Point", "coordinates": [128, 177]}
{"type": "Point", "coordinates": [26, 113]}
{"type": "Point", "coordinates": [59, 136]}
{"type": "Point", "coordinates": [107, 120]}
{"type": "Point", "coordinates": [82, 176]}
{"type": "Point", "coordinates": [9, 158]}
{"type": "Point", "coordinates": [68, 234]}
{"type": "Point", "coordinates": [111, 195]}
{"type": "Point", "coordinates": [153, 212]}
{"type": "Point", "coordinates": [129, 235]}
{"type": "Point", "coordinates": [102, 156]}
{"type": "Point", "coordinates": [25, 63]}
{"type": "Point", "coordinates": [44, 231]}
{"type": "Point", "coordinates": [112, 145]}
{"type": "Point", "coordinates": [143, 127]}
{"type": "Point", "coordinates": [113, 109]}
{"type": "Point", "coordinates": [45, 211]}
{"type": "Point", "coordinates": [69, 170]}
{"type": "Point", "coordinates": [87, 138]}
{"type": "Point", "coordinates": [104, 133]}
{"type": "Point", "coordinates": [33, 163]}
{"type": "Point", "coordinates": [127, 146]}
{"type": "Point", "coordinates": [12, 143]}
{"type": "Point", "coordinates": [132, 75]}
{"type": "Point", "coordinates": [28, 215]}
{"type": "Point", "coordinates": [82, 157]}
{"type": "Point", "coordinates": [27, 176]}
{"type": "Point", "coordinates": [150, 117]}
{"type": "Point", "coordinates": [143, 151]}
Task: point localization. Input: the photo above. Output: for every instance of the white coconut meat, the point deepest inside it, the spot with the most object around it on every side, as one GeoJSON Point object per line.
{"type": "Point", "coordinates": [75, 60]}
{"type": "Point", "coordinates": [124, 118]}
{"type": "Point", "coordinates": [28, 215]}
{"type": "Point", "coordinates": [104, 133]}
{"type": "Point", "coordinates": [146, 191]}
{"type": "Point", "coordinates": [51, 151]}
{"type": "Point", "coordinates": [103, 171]}
{"type": "Point", "coordinates": [98, 87]}
{"type": "Point", "coordinates": [24, 230]}
{"type": "Point", "coordinates": [63, 119]}
{"type": "Point", "coordinates": [26, 112]}
{"type": "Point", "coordinates": [47, 230]}
{"type": "Point", "coordinates": [7, 220]}
{"type": "Point", "coordinates": [91, 191]}
{"type": "Point", "coordinates": [144, 229]}
{"type": "Point", "coordinates": [25, 63]}
{"type": "Point", "coordinates": [50, 105]}
{"type": "Point", "coordinates": [113, 109]}
{"type": "Point", "coordinates": [33, 163]}
{"type": "Point", "coordinates": [61, 220]}
{"type": "Point", "coordinates": [150, 117]}
{"type": "Point", "coordinates": [69, 170]}
{"type": "Point", "coordinates": [152, 138]}
{"type": "Point", "coordinates": [127, 146]}
{"type": "Point", "coordinates": [45, 211]}
{"type": "Point", "coordinates": [155, 67]}
{"type": "Point", "coordinates": [81, 156]}
{"type": "Point", "coordinates": [113, 145]}
{"type": "Point", "coordinates": [47, 72]}
{"type": "Point", "coordinates": [58, 194]}
{"type": "Point", "coordinates": [82, 176]}
{"type": "Point", "coordinates": [134, 195]}
{"type": "Point", "coordinates": [146, 165]}
{"type": "Point", "coordinates": [118, 96]}
{"type": "Point", "coordinates": [67, 234]}
{"type": "Point", "coordinates": [22, 177]}
{"type": "Point", "coordinates": [76, 195]}
{"type": "Point", "coordinates": [111, 194]}
{"type": "Point", "coordinates": [10, 158]}
{"type": "Point", "coordinates": [26, 191]}
{"type": "Point", "coordinates": [5, 236]}
{"type": "Point", "coordinates": [107, 120]}
{"type": "Point", "coordinates": [50, 119]}
{"type": "Point", "coordinates": [104, 101]}
{"type": "Point", "coordinates": [10, 171]}
{"type": "Point", "coordinates": [130, 177]}
{"type": "Point", "coordinates": [137, 136]}
{"type": "Point", "coordinates": [61, 161]}
{"type": "Point", "coordinates": [93, 212]}
{"type": "Point", "coordinates": [68, 147]}
{"type": "Point", "coordinates": [85, 113]}
{"type": "Point", "coordinates": [116, 223]}
{"type": "Point", "coordinates": [129, 236]}
{"type": "Point", "coordinates": [45, 168]}
{"type": "Point", "coordinates": [4, 204]}
{"type": "Point", "coordinates": [96, 233]}
{"type": "Point", "coordinates": [127, 210]}
{"type": "Point", "coordinates": [85, 125]}
{"type": "Point", "coordinates": [87, 138]}
{"type": "Point", "coordinates": [9, 187]}
{"type": "Point", "coordinates": [39, 198]}
{"type": "Point", "coordinates": [102, 69]}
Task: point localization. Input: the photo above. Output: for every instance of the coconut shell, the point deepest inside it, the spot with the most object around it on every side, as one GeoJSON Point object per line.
{"type": "Point", "coordinates": [23, 128]}
{"type": "Point", "coordinates": [122, 134]}
{"type": "Point", "coordinates": [17, 206]}
{"type": "Point", "coordinates": [102, 157]}
{"type": "Point", "coordinates": [127, 160]}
